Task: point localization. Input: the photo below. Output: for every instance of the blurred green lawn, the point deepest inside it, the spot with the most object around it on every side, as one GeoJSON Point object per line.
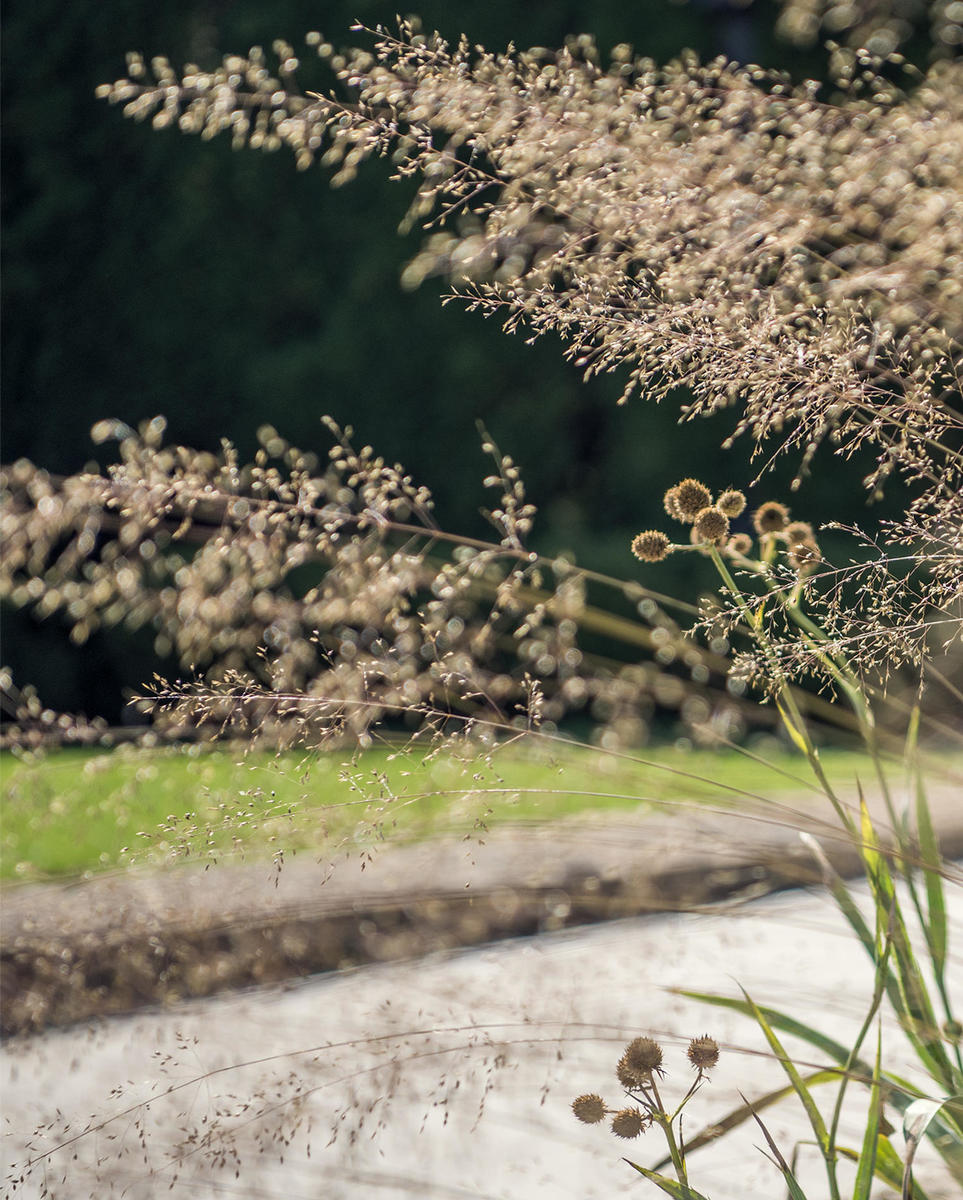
{"type": "Point", "coordinates": [74, 811]}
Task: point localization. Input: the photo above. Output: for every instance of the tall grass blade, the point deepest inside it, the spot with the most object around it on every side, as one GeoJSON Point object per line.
{"type": "Point", "coordinates": [799, 1087]}
{"type": "Point", "coordinates": [671, 1187]}
{"type": "Point", "coordinates": [889, 1165]}
{"type": "Point", "coordinates": [792, 1183]}
{"type": "Point", "coordinates": [936, 926]}
{"type": "Point", "coordinates": [867, 1158]}
{"type": "Point", "coordinates": [735, 1118]}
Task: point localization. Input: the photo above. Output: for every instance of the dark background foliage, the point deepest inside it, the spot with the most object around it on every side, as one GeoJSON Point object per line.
{"type": "Point", "coordinates": [152, 273]}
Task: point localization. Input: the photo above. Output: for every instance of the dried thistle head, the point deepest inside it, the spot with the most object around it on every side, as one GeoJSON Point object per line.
{"type": "Point", "coordinates": [589, 1109]}
{"type": "Point", "coordinates": [629, 1123]}
{"type": "Point", "coordinates": [732, 503]}
{"type": "Point", "coordinates": [703, 1053]}
{"type": "Point", "coordinates": [642, 1058]}
{"type": "Point", "coordinates": [711, 526]}
{"type": "Point", "coordinates": [691, 497]}
{"type": "Point", "coordinates": [651, 546]}
{"type": "Point", "coordinates": [798, 531]}
{"type": "Point", "coordinates": [671, 503]}
{"type": "Point", "coordinates": [740, 545]}
{"type": "Point", "coordinates": [804, 555]}
{"type": "Point", "coordinates": [770, 517]}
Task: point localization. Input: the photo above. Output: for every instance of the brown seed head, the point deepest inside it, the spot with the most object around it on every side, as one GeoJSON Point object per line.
{"type": "Point", "coordinates": [691, 497]}
{"type": "Point", "coordinates": [642, 1056]}
{"type": "Point", "coordinates": [589, 1109]}
{"type": "Point", "coordinates": [739, 543]}
{"type": "Point", "coordinates": [703, 1053]}
{"type": "Point", "coordinates": [804, 555]}
{"type": "Point", "coordinates": [798, 531]}
{"type": "Point", "coordinates": [771, 517]}
{"type": "Point", "coordinates": [731, 502]}
{"type": "Point", "coordinates": [628, 1123]}
{"type": "Point", "coordinates": [651, 546]}
{"type": "Point", "coordinates": [711, 526]}
{"type": "Point", "coordinates": [671, 502]}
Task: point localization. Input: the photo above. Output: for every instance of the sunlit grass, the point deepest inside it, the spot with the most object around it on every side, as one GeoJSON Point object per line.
{"type": "Point", "coordinates": [76, 811]}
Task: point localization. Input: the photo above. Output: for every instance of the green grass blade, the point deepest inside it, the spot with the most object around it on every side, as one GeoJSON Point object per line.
{"type": "Point", "coordinates": [902, 1093]}
{"type": "Point", "coordinates": [671, 1187]}
{"type": "Point", "coordinates": [737, 1116]}
{"type": "Point", "coordinates": [867, 1158]}
{"type": "Point", "coordinates": [799, 1087]}
{"type": "Point", "coordinates": [889, 1165]}
{"type": "Point", "coordinates": [841, 895]}
{"type": "Point", "coordinates": [904, 987]}
{"type": "Point", "coordinates": [778, 1020]}
{"type": "Point", "coordinates": [792, 1183]}
{"type": "Point", "coordinates": [936, 927]}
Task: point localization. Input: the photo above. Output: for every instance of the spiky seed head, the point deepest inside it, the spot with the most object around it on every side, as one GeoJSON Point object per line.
{"type": "Point", "coordinates": [642, 1056]}
{"type": "Point", "coordinates": [703, 1053]}
{"type": "Point", "coordinates": [804, 555]}
{"type": "Point", "coordinates": [771, 517]}
{"type": "Point", "coordinates": [589, 1109]}
{"type": "Point", "coordinates": [628, 1123]}
{"type": "Point", "coordinates": [711, 525]}
{"type": "Point", "coordinates": [798, 531]}
{"type": "Point", "coordinates": [691, 498]}
{"type": "Point", "coordinates": [651, 546]}
{"type": "Point", "coordinates": [732, 503]}
{"type": "Point", "coordinates": [671, 502]}
{"type": "Point", "coordinates": [739, 543]}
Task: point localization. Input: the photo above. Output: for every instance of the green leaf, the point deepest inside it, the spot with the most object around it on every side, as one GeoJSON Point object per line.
{"type": "Point", "coordinates": [800, 742]}
{"type": "Point", "coordinates": [795, 1189]}
{"type": "Point", "coordinates": [916, 1121]}
{"type": "Point", "coordinates": [932, 865]}
{"type": "Point", "coordinates": [889, 1165]}
{"type": "Point", "coordinates": [777, 1019]}
{"type": "Point", "coordinates": [869, 845]}
{"type": "Point", "coordinates": [867, 1158]}
{"type": "Point", "coordinates": [902, 1093]}
{"type": "Point", "coordinates": [671, 1187]}
{"type": "Point", "coordinates": [799, 1087]}
{"type": "Point", "coordinates": [749, 1108]}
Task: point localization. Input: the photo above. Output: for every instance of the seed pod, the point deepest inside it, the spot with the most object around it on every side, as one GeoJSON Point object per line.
{"type": "Point", "coordinates": [691, 498]}
{"type": "Point", "coordinates": [628, 1123]}
{"type": "Point", "coordinates": [771, 517]}
{"type": "Point", "coordinates": [589, 1109]}
{"type": "Point", "coordinates": [703, 1053]}
{"type": "Point", "coordinates": [732, 503]}
{"type": "Point", "coordinates": [711, 526]}
{"type": "Point", "coordinates": [651, 546]}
